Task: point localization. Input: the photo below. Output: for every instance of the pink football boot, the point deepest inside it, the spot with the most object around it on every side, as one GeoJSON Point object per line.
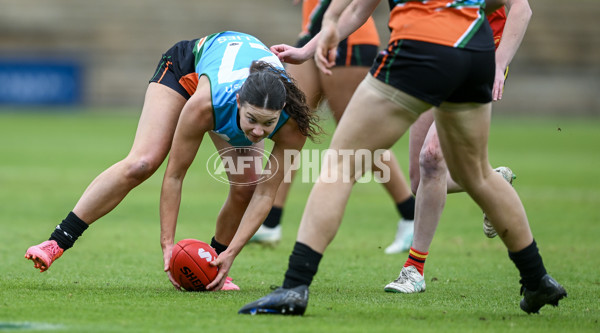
{"type": "Point", "coordinates": [229, 285]}
{"type": "Point", "coordinates": [44, 254]}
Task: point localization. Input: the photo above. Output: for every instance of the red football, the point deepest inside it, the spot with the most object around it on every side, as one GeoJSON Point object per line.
{"type": "Point", "coordinates": [190, 264]}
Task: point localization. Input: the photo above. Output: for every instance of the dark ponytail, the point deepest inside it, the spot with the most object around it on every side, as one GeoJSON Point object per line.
{"type": "Point", "coordinates": [270, 88]}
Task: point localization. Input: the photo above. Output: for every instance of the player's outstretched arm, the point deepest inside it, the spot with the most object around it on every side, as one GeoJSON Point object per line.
{"type": "Point", "coordinates": [350, 20]}
{"type": "Point", "coordinates": [342, 18]}
{"type": "Point", "coordinates": [292, 55]}
{"type": "Point", "coordinates": [195, 120]}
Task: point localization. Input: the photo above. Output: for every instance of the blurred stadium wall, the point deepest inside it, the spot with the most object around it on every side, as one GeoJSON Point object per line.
{"type": "Point", "coordinates": [117, 44]}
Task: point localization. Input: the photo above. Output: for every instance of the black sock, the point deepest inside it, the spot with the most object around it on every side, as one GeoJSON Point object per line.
{"type": "Point", "coordinates": [302, 267]}
{"type": "Point", "coordinates": [217, 246]}
{"type": "Point", "coordinates": [274, 217]}
{"type": "Point", "coordinates": [530, 266]}
{"type": "Point", "coordinates": [406, 208]}
{"type": "Point", "coordinates": [66, 233]}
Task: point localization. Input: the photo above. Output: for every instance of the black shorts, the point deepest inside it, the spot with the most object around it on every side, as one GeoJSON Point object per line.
{"type": "Point", "coordinates": [351, 55]}
{"type": "Point", "coordinates": [175, 64]}
{"type": "Point", "coordinates": [436, 73]}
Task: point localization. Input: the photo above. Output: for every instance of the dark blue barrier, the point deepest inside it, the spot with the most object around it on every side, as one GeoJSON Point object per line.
{"type": "Point", "coordinates": [40, 82]}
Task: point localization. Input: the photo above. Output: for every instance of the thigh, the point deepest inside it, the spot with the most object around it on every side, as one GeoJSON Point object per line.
{"type": "Point", "coordinates": [463, 137]}
{"type": "Point", "coordinates": [418, 132]}
{"type": "Point", "coordinates": [156, 127]}
{"type": "Point", "coordinates": [374, 119]}
{"type": "Point", "coordinates": [307, 78]}
{"type": "Point", "coordinates": [242, 164]}
{"type": "Point", "coordinates": [339, 87]}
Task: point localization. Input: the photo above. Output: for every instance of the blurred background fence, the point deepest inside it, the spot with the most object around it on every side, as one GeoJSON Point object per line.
{"type": "Point", "coordinates": [102, 53]}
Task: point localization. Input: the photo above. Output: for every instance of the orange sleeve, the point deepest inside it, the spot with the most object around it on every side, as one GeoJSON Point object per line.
{"type": "Point", "coordinates": [366, 34]}
{"type": "Point", "coordinates": [307, 7]}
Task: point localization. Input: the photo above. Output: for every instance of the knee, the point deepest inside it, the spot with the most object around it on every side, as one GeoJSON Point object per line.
{"type": "Point", "coordinates": [469, 177]}
{"type": "Point", "coordinates": [414, 176]}
{"type": "Point", "coordinates": [414, 183]}
{"type": "Point", "coordinates": [431, 162]}
{"type": "Point", "coordinates": [140, 169]}
{"type": "Point", "coordinates": [241, 194]}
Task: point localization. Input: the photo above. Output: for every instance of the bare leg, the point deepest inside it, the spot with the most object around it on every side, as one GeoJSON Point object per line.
{"type": "Point", "coordinates": [307, 78]}
{"type": "Point", "coordinates": [239, 196]}
{"type": "Point", "coordinates": [282, 192]}
{"type": "Point", "coordinates": [161, 110]}
{"type": "Point", "coordinates": [431, 196]}
{"type": "Point", "coordinates": [418, 131]}
{"type": "Point", "coordinates": [327, 201]}
{"type": "Point", "coordinates": [338, 89]}
{"type": "Point", "coordinates": [471, 152]}
{"type": "Point", "coordinates": [464, 137]}
{"type": "Point", "coordinates": [430, 202]}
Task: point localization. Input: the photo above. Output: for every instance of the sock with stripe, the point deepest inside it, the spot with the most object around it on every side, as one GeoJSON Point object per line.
{"type": "Point", "coordinates": [417, 259]}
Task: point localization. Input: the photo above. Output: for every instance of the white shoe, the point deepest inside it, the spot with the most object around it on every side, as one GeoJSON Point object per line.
{"type": "Point", "coordinates": [404, 237]}
{"type": "Point", "coordinates": [410, 281]}
{"type": "Point", "coordinates": [267, 236]}
{"type": "Point", "coordinates": [508, 175]}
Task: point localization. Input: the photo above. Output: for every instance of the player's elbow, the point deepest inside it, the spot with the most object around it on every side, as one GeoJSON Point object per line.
{"type": "Point", "coordinates": [526, 10]}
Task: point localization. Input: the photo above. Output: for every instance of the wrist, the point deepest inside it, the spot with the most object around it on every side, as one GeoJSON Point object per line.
{"type": "Point", "coordinates": [232, 250]}
{"type": "Point", "coordinates": [166, 243]}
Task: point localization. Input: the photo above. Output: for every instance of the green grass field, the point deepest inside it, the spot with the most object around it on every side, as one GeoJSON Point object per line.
{"type": "Point", "coordinates": [112, 280]}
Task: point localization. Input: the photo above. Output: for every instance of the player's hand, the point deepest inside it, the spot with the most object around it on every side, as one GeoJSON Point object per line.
{"type": "Point", "coordinates": [498, 88]}
{"type": "Point", "coordinates": [175, 284]}
{"type": "Point", "coordinates": [326, 50]}
{"type": "Point", "coordinates": [224, 262]}
{"type": "Point", "coordinates": [289, 54]}
{"type": "Point", "coordinates": [167, 252]}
